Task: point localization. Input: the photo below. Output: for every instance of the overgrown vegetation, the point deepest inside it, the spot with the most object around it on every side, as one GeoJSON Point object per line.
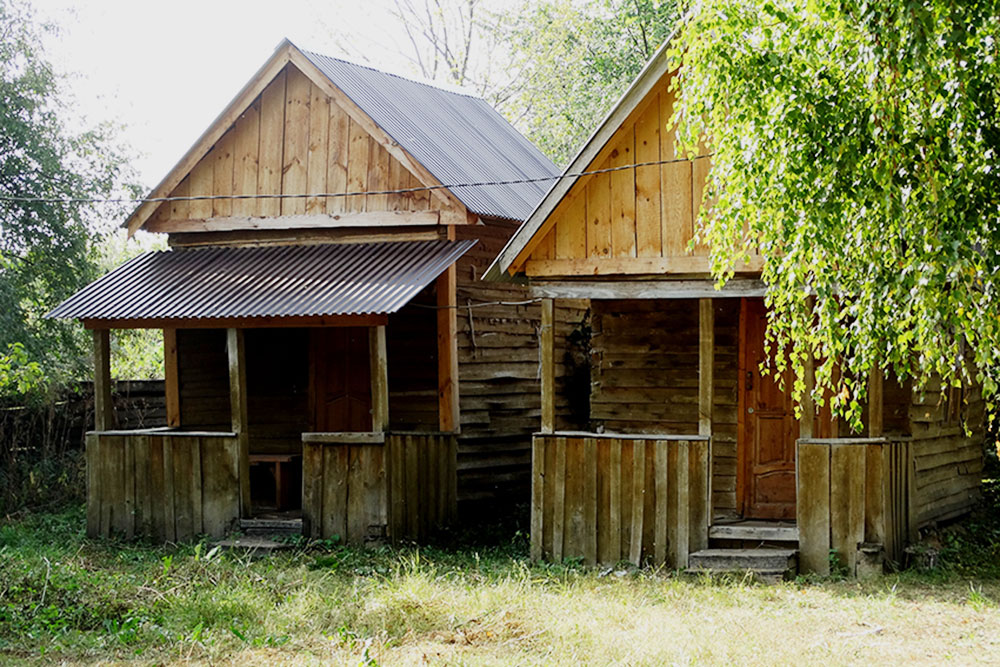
{"type": "Point", "coordinates": [66, 598]}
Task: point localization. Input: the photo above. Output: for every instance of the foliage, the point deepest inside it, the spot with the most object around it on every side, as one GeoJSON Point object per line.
{"type": "Point", "coordinates": [574, 58]}
{"type": "Point", "coordinates": [18, 375]}
{"type": "Point", "coordinates": [46, 248]}
{"type": "Point", "coordinates": [855, 147]}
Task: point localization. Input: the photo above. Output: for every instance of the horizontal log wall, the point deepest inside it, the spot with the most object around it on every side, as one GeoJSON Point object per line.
{"type": "Point", "coordinates": [164, 486]}
{"type": "Point", "coordinates": [277, 371]}
{"type": "Point", "coordinates": [851, 492]}
{"type": "Point", "coordinates": [361, 488]}
{"type": "Point", "coordinates": [948, 462]}
{"type": "Point", "coordinates": [606, 498]}
{"type": "Point", "coordinates": [203, 379]}
{"type": "Point", "coordinates": [645, 377]}
{"type": "Point", "coordinates": [498, 358]}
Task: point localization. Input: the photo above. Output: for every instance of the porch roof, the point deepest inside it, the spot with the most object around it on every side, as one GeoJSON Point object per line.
{"type": "Point", "coordinates": [291, 281]}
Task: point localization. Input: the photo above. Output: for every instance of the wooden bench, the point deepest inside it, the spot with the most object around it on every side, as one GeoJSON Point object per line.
{"type": "Point", "coordinates": [283, 469]}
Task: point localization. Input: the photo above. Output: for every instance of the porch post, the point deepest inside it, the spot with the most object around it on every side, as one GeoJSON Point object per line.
{"type": "Point", "coordinates": [701, 516]}
{"type": "Point", "coordinates": [104, 416]}
{"type": "Point", "coordinates": [876, 420]}
{"type": "Point", "coordinates": [379, 377]}
{"type": "Point", "coordinates": [238, 411]}
{"type": "Point", "coordinates": [171, 383]}
{"type": "Point", "coordinates": [548, 366]}
{"type": "Point", "coordinates": [449, 419]}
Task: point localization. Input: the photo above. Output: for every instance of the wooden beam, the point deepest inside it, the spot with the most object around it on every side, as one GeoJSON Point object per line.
{"type": "Point", "coordinates": [377, 359]}
{"type": "Point", "coordinates": [706, 359]}
{"type": "Point", "coordinates": [449, 419]}
{"type": "Point", "coordinates": [239, 322]}
{"type": "Point", "coordinates": [104, 413]}
{"type": "Point", "coordinates": [876, 417]}
{"type": "Point", "coordinates": [171, 380]}
{"type": "Point", "coordinates": [228, 117]}
{"type": "Point", "coordinates": [548, 370]}
{"type": "Point", "coordinates": [303, 236]}
{"type": "Point", "coordinates": [286, 222]}
{"type": "Point", "coordinates": [648, 289]}
{"type": "Point", "coordinates": [609, 266]}
{"type": "Point", "coordinates": [238, 411]}
{"type": "Point", "coordinates": [807, 422]}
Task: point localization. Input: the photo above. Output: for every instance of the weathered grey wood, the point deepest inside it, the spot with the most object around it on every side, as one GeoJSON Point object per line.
{"type": "Point", "coordinates": [413, 482]}
{"type": "Point", "coordinates": [537, 495]}
{"type": "Point", "coordinates": [876, 418]}
{"type": "Point", "coordinates": [548, 366]}
{"type": "Point", "coordinates": [169, 492]}
{"type": "Point", "coordinates": [807, 422]}
{"type": "Point", "coordinates": [335, 492]}
{"type": "Point", "coordinates": [638, 506]}
{"type": "Point", "coordinates": [378, 360]}
{"type": "Point", "coordinates": [625, 437]}
{"type": "Point", "coordinates": [680, 482]}
{"type": "Point", "coordinates": [813, 507]}
{"type": "Point", "coordinates": [847, 503]}
{"type": "Point", "coordinates": [140, 445]}
{"type": "Point", "coordinates": [158, 488]}
{"type": "Point", "coordinates": [662, 502]}
{"type": "Point", "coordinates": [646, 289]}
{"type": "Point", "coordinates": [559, 502]}
{"type": "Point", "coordinates": [590, 501]}
{"type": "Point", "coordinates": [94, 488]}
{"type": "Point", "coordinates": [312, 489]}
{"type": "Point", "coordinates": [614, 500]}
{"type": "Point", "coordinates": [698, 495]}
{"type": "Point", "coordinates": [345, 438]}
{"type": "Point", "coordinates": [128, 487]}
{"type": "Point", "coordinates": [104, 415]}
{"type": "Point", "coordinates": [397, 485]}
{"type": "Point", "coordinates": [875, 494]}
{"type": "Point", "coordinates": [220, 484]}
{"type": "Point", "coordinates": [238, 410]}
{"type": "Point", "coordinates": [181, 451]}
{"type": "Point", "coordinates": [113, 453]}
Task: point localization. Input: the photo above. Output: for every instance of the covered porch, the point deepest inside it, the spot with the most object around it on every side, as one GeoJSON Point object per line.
{"type": "Point", "coordinates": [311, 384]}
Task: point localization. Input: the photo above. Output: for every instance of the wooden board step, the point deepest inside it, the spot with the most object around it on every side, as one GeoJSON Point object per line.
{"type": "Point", "coordinates": [253, 544]}
{"type": "Point", "coordinates": [755, 531]}
{"type": "Point", "coordinates": [768, 564]}
{"type": "Point", "coordinates": [270, 527]}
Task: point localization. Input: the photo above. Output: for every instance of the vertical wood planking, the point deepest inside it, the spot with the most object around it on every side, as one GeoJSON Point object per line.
{"type": "Point", "coordinates": [94, 489]}
{"type": "Point", "coordinates": [573, 503]}
{"type": "Point", "coordinates": [222, 175]}
{"type": "Point", "coordinates": [847, 503]}
{"type": "Point", "coordinates": [548, 366]}
{"type": "Point", "coordinates": [379, 373]}
{"type": "Point", "coordinates": [180, 209]}
{"type": "Point", "coordinates": [681, 485]}
{"type": "Point", "coordinates": [104, 416]}
{"type": "Point", "coordinates": [807, 422]}
{"type": "Point", "coordinates": [196, 489]}
{"type": "Point", "coordinates": [171, 378]}
{"type": "Point", "coordinates": [571, 230]}
{"type": "Point", "coordinates": [357, 167]}
{"type": "Point", "coordinates": [236, 351]}
{"type": "Point", "coordinates": [337, 148]}
{"type": "Point", "coordinates": [128, 487]}
{"type": "Point", "coordinates": [158, 489]}
{"type": "Point", "coordinates": [876, 419]}
{"type": "Point", "coordinates": [246, 149]}
{"type": "Point", "coordinates": [559, 501]}
{"type": "Point", "coordinates": [623, 223]}
{"type": "Point", "coordinates": [270, 155]}
{"type": "Point", "coordinates": [602, 474]}
{"type": "Point", "coordinates": [144, 498]}
{"type": "Point", "coordinates": [202, 181]}
{"type": "Point", "coordinates": [647, 182]}
{"type": "Point", "coordinates": [169, 492]}
{"type": "Point", "coordinates": [378, 177]}
{"type": "Point", "coordinates": [398, 482]}
{"type": "Point", "coordinates": [813, 508]}
{"type": "Point", "coordinates": [706, 404]}
{"type": "Point", "coordinates": [700, 168]}
{"type": "Point", "coordinates": [675, 187]}
{"type": "Point", "coordinates": [316, 163]}
{"type": "Point", "coordinates": [312, 488]}
{"type": "Point", "coordinates": [875, 494]}
{"type": "Point", "coordinates": [614, 500]}
{"type": "Point", "coordinates": [336, 471]}
{"type": "Point", "coordinates": [183, 470]}
{"type": "Point", "coordinates": [537, 495]}
{"type": "Point", "coordinates": [413, 482]}
{"type": "Point", "coordinates": [598, 193]}
{"type": "Point", "coordinates": [220, 484]}
{"type": "Point", "coordinates": [698, 494]}
{"type": "Point", "coordinates": [449, 419]}
{"type": "Point", "coordinates": [638, 502]}
{"type": "Point", "coordinates": [295, 153]}
{"type": "Point", "coordinates": [661, 489]}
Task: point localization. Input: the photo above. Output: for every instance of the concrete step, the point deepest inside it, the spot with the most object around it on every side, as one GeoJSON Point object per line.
{"type": "Point", "coordinates": [767, 563]}
{"type": "Point", "coordinates": [270, 527]}
{"type": "Point", "coordinates": [755, 531]}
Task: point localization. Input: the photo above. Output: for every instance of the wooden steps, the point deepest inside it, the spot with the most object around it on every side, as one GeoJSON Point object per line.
{"type": "Point", "coordinates": [756, 531]}
{"type": "Point", "coordinates": [253, 544]}
{"type": "Point", "coordinates": [768, 564]}
{"type": "Point", "coordinates": [270, 527]}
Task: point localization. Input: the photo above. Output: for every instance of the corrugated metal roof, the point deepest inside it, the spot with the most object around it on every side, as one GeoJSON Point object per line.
{"type": "Point", "coordinates": [457, 137]}
{"type": "Point", "coordinates": [275, 281]}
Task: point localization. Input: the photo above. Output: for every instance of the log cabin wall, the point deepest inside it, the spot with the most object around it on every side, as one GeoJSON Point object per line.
{"type": "Point", "coordinates": [411, 346]}
{"type": "Point", "coordinates": [277, 363]}
{"type": "Point", "coordinates": [947, 462]}
{"type": "Point", "coordinates": [498, 358]}
{"type": "Point", "coordinates": [645, 378]}
{"type": "Point", "coordinates": [203, 379]}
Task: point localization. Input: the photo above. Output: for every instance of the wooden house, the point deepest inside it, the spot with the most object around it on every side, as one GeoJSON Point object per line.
{"type": "Point", "coordinates": [328, 342]}
{"type": "Point", "coordinates": [691, 451]}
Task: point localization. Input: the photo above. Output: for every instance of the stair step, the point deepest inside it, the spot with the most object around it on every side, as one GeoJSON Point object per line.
{"type": "Point", "coordinates": [765, 562]}
{"type": "Point", "coordinates": [254, 544]}
{"type": "Point", "coordinates": [270, 527]}
{"type": "Point", "coordinates": [757, 531]}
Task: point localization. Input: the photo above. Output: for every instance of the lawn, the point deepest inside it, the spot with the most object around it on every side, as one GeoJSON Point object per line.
{"type": "Point", "coordinates": [67, 599]}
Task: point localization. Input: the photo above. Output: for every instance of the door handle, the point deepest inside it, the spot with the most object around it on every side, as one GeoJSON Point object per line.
{"type": "Point", "coordinates": [749, 411]}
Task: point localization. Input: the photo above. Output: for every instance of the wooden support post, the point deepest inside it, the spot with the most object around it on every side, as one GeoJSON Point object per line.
{"type": "Point", "coordinates": [449, 419]}
{"type": "Point", "coordinates": [876, 421]}
{"type": "Point", "coordinates": [706, 400]}
{"type": "Point", "coordinates": [807, 423]}
{"type": "Point", "coordinates": [238, 410]}
{"type": "Point", "coordinates": [379, 378]}
{"type": "Point", "coordinates": [104, 413]}
{"type": "Point", "coordinates": [548, 369]}
{"type": "Point", "coordinates": [171, 381]}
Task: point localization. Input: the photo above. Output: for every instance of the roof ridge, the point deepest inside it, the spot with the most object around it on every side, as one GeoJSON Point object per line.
{"type": "Point", "coordinates": [437, 85]}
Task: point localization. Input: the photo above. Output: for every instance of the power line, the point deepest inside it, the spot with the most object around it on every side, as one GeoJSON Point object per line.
{"type": "Point", "coordinates": [333, 195]}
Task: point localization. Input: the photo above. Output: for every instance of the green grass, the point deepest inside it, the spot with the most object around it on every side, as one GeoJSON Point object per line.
{"type": "Point", "coordinates": [67, 599]}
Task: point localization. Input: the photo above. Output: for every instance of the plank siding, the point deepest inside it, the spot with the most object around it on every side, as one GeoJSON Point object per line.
{"type": "Point", "coordinates": [644, 377]}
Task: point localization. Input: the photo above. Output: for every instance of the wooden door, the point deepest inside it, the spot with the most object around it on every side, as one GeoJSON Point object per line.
{"type": "Point", "coordinates": [341, 380]}
{"type": "Point", "coordinates": [769, 428]}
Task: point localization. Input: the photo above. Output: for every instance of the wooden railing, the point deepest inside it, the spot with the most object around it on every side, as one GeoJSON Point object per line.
{"type": "Point", "coordinates": [608, 497]}
{"type": "Point", "coordinates": [853, 502]}
{"type": "Point", "coordinates": [367, 487]}
{"type": "Point", "coordinates": [163, 484]}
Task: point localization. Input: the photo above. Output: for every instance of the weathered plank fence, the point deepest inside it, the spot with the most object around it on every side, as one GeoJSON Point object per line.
{"type": "Point", "coordinates": [367, 487]}
{"type": "Point", "coordinates": [853, 497]}
{"type": "Point", "coordinates": [608, 497]}
{"type": "Point", "coordinates": [168, 485]}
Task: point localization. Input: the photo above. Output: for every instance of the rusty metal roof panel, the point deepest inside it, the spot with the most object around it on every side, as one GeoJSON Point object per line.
{"type": "Point", "coordinates": [459, 138]}
{"type": "Point", "coordinates": [274, 281]}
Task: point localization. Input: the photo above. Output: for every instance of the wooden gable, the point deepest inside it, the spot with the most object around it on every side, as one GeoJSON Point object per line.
{"type": "Point", "coordinates": [637, 220]}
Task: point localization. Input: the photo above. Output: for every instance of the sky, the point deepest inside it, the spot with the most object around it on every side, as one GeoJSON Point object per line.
{"type": "Point", "coordinates": [165, 70]}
